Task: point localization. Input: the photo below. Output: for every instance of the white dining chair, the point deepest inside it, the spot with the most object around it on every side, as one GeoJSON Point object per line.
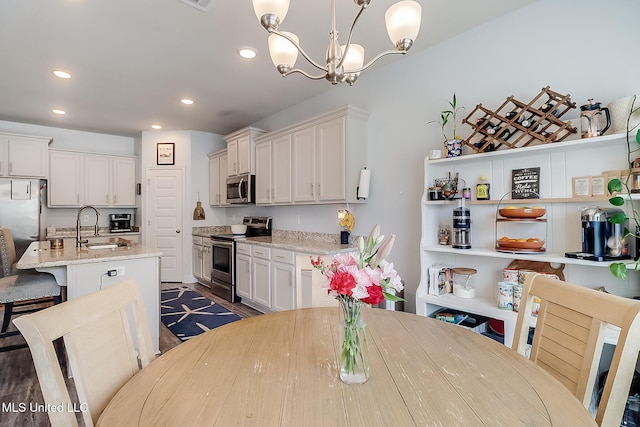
{"type": "Point", "coordinates": [569, 338]}
{"type": "Point", "coordinates": [107, 340]}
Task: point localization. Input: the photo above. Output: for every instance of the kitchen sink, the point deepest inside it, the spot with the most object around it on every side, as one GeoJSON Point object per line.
{"type": "Point", "coordinates": [101, 246]}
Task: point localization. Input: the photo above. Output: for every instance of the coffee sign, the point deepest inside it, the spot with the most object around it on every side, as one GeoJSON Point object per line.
{"type": "Point", "coordinates": [525, 183]}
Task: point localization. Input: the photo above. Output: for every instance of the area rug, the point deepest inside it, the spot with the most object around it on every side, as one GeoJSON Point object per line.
{"type": "Point", "coordinates": [187, 313]}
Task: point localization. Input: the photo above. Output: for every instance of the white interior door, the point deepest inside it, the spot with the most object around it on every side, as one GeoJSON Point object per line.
{"type": "Point", "coordinates": [165, 188]}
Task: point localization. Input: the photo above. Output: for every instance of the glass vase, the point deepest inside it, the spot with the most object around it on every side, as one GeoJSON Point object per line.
{"type": "Point", "coordinates": [354, 366]}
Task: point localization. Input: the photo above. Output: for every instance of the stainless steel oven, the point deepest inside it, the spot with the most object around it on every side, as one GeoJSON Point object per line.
{"type": "Point", "coordinates": [223, 252]}
{"type": "Point", "coordinates": [223, 255]}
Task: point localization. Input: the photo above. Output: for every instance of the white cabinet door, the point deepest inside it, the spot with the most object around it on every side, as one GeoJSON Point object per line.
{"type": "Point", "coordinates": [263, 173]}
{"type": "Point", "coordinates": [27, 157]}
{"type": "Point", "coordinates": [261, 283]}
{"type": "Point", "coordinates": [282, 280]}
{"type": "Point", "coordinates": [244, 155]}
{"type": "Point", "coordinates": [207, 259]}
{"type": "Point", "coordinates": [223, 180]}
{"type": "Point", "coordinates": [330, 156]}
{"type": "Point", "coordinates": [124, 182]}
{"type": "Point", "coordinates": [232, 159]}
{"type": "Point", "coordinates": [303, 150]}
{"type": "Point", "coordinates": [243, 276]}
{"type": "Point", "coordinates": [4, 156]}
{"type": "Point", "coordinates": [214, 181]}
{"type": "Point", "coordinates": [64, 179]}
{"type": "Point", "coordinates": [197, 261]}
{"type": "Point", "coordinates": [280, 170]}
{"type": "Point", "coordinates": [97, 180]}
{"type": "Point", "coordinates": [218, 179]}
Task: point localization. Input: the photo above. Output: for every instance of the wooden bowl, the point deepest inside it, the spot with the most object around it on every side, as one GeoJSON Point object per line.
{"type": "Point", "coordinates": [522, 212]}
{"type": "Point", "coordinates": [505, 244]}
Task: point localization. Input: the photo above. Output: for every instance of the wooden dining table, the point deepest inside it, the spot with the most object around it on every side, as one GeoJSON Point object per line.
{"type": "Point", "coordinates": [281, 369]}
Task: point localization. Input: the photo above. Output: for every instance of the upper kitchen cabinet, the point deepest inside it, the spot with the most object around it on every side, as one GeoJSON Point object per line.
{"type": "Point", "coordinates": [78, 179]}
{"type": "Point", "coordinates": [326, 155]}
{"type": "Point", "coordinates": [273, 171]}
{"type": "Point", "coordinates": [240, 151]}
{"type": "Point", "coordinates": [24, 156]}
{"type": "Point", "coordinates": [218, 178]}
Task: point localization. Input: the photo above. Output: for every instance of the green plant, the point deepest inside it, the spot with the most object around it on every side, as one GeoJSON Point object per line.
{"type": "Point", "coordinates": [619, 189]}
{"type": "Point", "coordinates": [449, 115]}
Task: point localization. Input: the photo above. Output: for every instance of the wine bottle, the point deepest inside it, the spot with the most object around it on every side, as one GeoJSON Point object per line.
{"type": "Point", "coordinates": [483, 123]}
{"type": "Point", "coordinates": [511, 114]}
{"type": "Point", "coordinates": [504, 135]}
{"type": "Point", "coordinates": [529, 122]}
{"type": "Point", "coordinates": [490, 147]}
{"type": "Point", "coordinates": [549, 106]}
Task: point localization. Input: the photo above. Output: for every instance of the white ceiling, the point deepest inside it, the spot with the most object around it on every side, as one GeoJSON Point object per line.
{"type": "Point", "coordinates": [133, 60]}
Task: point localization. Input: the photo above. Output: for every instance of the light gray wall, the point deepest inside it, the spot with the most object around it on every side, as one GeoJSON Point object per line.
{"type": "Point", "coordinates": [584, 48]}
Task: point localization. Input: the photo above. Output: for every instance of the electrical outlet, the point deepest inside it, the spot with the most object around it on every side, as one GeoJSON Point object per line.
{"type": "Point", "coordinates": [120, 271]}
{"type": "Point", "coordinates": [85, 217]}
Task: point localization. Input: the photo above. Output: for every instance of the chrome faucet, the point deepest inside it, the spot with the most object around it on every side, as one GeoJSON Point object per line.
{"type": "Point", "coordinates": [79, 242]}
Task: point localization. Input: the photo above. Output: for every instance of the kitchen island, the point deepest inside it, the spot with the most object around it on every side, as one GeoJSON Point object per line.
{"type": "Point", "coordinates": [83, 270]}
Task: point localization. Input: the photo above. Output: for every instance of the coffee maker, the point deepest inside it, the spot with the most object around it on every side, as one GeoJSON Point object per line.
{"type": "Point", "coordinates": [461, 227]}
{"type": "Point", "coordinates": [602, 240]}
{"type": "Point", "coordinates": [119, 223]}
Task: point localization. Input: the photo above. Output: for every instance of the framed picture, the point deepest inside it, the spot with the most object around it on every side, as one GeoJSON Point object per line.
{"type": "Point", "coordinates": [165, 153]}
{"type": "Point", "coordinates": [525, 183]}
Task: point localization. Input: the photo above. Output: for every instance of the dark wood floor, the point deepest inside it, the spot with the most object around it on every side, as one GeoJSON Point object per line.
{"type": "Point", "coordinates": [19, 383]}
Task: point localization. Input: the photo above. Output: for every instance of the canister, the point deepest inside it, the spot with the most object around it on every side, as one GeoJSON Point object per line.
{"type": "Point", "coordinates": [505, 295]}
{"type": "Point", "coordinates": [510, 275]}
{"type": "Point", "coordinates": [517, 295]}
{"type": "Point", "coordinates": [522, 275]}
{"type": "Point", "coordinates": [57, 243]}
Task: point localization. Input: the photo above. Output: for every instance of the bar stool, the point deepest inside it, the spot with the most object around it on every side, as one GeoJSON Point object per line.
{"type": "Point", "coordinates": [27, 290]}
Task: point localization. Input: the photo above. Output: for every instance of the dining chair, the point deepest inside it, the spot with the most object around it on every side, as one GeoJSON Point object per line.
{"type": "Point", "coordinates": [569, 338]}
{"type": "Point", "coordinates": [25, 290]}
{"type": "Point", "coordinates": [107, 340]}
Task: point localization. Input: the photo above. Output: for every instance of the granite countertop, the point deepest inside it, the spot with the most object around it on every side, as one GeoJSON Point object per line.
{"type": "Point", "coordinates": [40, 254]}
{"type": "Point", "coordinates": [87, 231]}
{"type": "Point", "coordinates": [309, 246]}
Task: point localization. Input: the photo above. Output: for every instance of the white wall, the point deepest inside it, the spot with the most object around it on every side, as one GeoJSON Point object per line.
{"type": "Point", "coordinates": [584, 48]}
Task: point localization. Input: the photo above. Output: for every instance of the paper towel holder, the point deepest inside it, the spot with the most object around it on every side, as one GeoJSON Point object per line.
{"type": "Point", "coordinates": [358, 197]}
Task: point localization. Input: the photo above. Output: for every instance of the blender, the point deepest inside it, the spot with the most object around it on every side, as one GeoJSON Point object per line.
{"type": "Point", "coordinates": [461, 238]}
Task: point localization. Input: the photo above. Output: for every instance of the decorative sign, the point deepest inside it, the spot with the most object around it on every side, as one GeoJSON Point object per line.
{"type": "Point", "coordinates": [525, 183]}
{"type": "Point", "coordinates": [165, 153]}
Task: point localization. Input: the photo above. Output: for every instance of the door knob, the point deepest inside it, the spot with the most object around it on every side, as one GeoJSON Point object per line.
{"type": "Point", "coordinates": [178, 231]}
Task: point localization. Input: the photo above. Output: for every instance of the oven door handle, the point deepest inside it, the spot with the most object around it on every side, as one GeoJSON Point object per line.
{"type": "Point", "coordinates": [222, 243]}
{"type": "Point", "coordinates": [240, 192]}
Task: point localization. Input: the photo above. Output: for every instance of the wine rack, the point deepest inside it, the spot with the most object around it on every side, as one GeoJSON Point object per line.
{"type": "Point", "coordinates": [517, 124]}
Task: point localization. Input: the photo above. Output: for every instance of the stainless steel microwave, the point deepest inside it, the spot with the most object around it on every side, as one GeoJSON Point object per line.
{"type": "Point", "coordinates": [241, 189]}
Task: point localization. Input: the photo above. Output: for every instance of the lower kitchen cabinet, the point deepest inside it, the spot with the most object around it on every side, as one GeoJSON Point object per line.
{"type": "Point", "coordinates": [202, 259]}
{"type": "Point", "coordinates": [207, 260]}
{"type": "Point", "coordinates": [283, 280]}
{"type": "Point", "coordinates": [261, 281]}
{"type": "Point", "coordinates": [243, 271]}
{"type": "Point", "coordinates": [197, 257]}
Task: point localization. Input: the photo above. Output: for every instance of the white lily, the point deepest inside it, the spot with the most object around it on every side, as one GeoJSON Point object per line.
{"type": "Point", "coordinates": [384, 250]}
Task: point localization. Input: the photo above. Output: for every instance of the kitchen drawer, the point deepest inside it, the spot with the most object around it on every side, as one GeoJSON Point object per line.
{"type": "Point", "coordinates": [283, 256]}
{"type": "Point", "coordinates": [197, 240]}
{"type": "Point", "coordinates": [261, 252]}
{"type": "Point", "coordinates": [243, 248]}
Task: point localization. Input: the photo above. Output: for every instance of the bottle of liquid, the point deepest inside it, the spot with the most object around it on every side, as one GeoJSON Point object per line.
{"type": "Point", "coordinates": [483, 189]}
{"type": "Point", "coordinates": [550, 106]}
{"type": "Point", "coordinates": [511, 114]}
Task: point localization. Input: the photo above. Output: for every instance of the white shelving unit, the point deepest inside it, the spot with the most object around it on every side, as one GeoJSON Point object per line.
{"type": "Point", "coordinates": [559, 163]}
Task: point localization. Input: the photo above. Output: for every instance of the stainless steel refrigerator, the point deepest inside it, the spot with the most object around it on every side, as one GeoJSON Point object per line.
{"type": "Point", "coordinates": [20, 209]}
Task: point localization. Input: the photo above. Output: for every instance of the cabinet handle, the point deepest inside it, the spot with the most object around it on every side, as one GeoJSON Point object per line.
{"type": "Point", "coordinates": [312, 189]}
{"type": "Point", "coordinates": [10, 167]}
{"type": "Point", "coordinates": [107, 198]}
{"type": "Point", "coordinates": [77, 198]}
{"type": "Point", "coordinates": [115, 199]}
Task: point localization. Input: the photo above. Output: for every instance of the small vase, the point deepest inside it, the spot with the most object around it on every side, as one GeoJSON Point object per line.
{"type": "Point", "coordinates": [454, 147]}
{"type": "Point", "coordinates": [354, 366]}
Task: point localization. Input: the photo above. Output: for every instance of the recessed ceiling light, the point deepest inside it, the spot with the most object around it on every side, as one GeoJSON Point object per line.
{"type": "Point", "coordinates": [187, 101]}
{"type": "Point", "coordinates": [156, 127]}
{"type": "Point", "coordinates": [61, 74]}
{"type": "Point", "coordinates": [57, 111]}
{"type": "Point", "coordinates": [247, 52]}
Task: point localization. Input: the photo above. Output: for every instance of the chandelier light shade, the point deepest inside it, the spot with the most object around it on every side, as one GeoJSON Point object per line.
{"type": "Point", "coordinates": [343, 62]}
{"type": "Point", "coordinates": [283, 52]}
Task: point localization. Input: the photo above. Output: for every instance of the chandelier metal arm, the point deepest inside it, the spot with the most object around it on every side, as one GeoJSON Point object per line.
{"type": "Point", "coordinates": [304, 54]}
{"type": "Point", "coordinates": [304, 73]}
{"type": "Point", "coordinates": [348, 43]}
{"type": "Point", "coordinates": [378, 56]}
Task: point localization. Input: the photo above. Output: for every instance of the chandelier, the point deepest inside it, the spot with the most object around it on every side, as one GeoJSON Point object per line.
{"type": "Point", "coordinates": [344, 62]}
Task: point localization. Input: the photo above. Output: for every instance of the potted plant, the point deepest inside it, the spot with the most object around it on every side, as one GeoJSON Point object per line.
{"type": "Point", "coordinates": [618, 188]}
{"type": "Point", "coordinates": [453, 145]}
